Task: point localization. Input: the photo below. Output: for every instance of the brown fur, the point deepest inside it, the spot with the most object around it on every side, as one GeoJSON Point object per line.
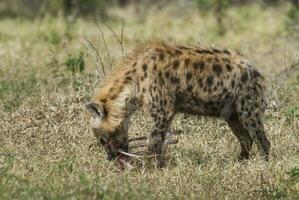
{"type": "Point", "coordinates": [163, 80]}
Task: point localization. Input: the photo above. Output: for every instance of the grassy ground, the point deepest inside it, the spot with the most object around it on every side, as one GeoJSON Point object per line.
{"type": "Point", "coordinates": [48, 152]}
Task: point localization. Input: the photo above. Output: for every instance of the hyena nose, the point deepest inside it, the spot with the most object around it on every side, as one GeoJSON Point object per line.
{"type": "Point", "coordinates": [110, 157]}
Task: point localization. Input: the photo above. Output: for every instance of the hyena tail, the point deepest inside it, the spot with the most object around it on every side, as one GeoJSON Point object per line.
{"type": "Point", "coordinates": [250, 107]}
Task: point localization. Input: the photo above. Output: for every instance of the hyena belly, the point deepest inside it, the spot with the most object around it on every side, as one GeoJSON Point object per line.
{"type": "Point", "coordinates": [196, 106]}
{"type": "Point", "coordinates": [208, 94]}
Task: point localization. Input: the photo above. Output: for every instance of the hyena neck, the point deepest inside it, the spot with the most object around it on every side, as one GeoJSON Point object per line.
{"type": "Point", "coordinates": [119, 104]}
{"type": "Point", "coordinates": [118, 92]}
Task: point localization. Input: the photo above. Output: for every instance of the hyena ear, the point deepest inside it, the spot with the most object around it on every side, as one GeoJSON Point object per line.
{"type": "Point", "coordinates": [95, 109]}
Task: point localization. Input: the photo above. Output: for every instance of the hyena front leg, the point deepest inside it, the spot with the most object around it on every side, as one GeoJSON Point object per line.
{"type": "Point", "coordinates": [162, 121]}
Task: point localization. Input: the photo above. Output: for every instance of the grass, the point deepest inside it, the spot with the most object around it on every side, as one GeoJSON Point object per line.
{"type": "Point", "coordinates": [47, 150]}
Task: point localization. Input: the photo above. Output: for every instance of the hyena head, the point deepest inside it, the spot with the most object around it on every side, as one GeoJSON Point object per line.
{"type": "Point", "coordinates": [112, 139]}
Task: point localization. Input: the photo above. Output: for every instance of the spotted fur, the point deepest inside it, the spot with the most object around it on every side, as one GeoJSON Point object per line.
{"type": "Point", "coordinates": [164, 80]}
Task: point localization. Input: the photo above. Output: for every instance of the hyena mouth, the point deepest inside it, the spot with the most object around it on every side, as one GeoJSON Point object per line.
{"type": "Point", "coordinates": [114, 150]}
{"type": "Point", "coordinates": [111, 156]}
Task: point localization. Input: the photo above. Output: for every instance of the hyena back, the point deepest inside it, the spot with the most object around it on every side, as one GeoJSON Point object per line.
{"type": "Point", "coordinates": [164, 80]}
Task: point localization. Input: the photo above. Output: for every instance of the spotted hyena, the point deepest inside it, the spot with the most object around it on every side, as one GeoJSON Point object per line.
{"type": "Point", "coordinates": [164, 80]}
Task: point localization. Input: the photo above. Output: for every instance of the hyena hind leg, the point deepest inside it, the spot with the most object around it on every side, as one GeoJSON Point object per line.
{"type": "Point", "coordinates": [242, 134]}
{"type": "Point", "coordinates": [255, 127]}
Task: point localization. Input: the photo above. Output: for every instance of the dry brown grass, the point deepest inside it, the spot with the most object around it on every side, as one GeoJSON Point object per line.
{"type": "Point", "coordinates": [47, 150]}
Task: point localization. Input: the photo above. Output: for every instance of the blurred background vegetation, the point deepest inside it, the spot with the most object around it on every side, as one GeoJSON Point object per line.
{"type": "Point", "coordinates": [97, 9]}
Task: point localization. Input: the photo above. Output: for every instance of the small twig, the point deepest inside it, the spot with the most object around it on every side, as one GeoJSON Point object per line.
{"type": "Point", "coordinates": [137, 156]}
{"type": "Point", "coordinates": [130, 155]}
{"type": "Point", "coordinates": [105, 44]}
{"type": "Point", "coordinates": [95, 60]}
{"type": "Point", "coordinates": [122, 35]}
{"type": "Point", "coordinates": [167, 142]}
{"type": "Point", "coordinates": [119, 40]}
{"type": "Point", "coordinates": [168, 133]}
{"type": "Point", "coordinates": [138, 145]}
{"type": "Point", "coordinates": [137, 138]}
{"type": "Point", "coordinates": [98, 54]}
{"type": "Point", "coordinates": [127, 165]}
{"type": "Point", "coordinates": [139, 152]}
